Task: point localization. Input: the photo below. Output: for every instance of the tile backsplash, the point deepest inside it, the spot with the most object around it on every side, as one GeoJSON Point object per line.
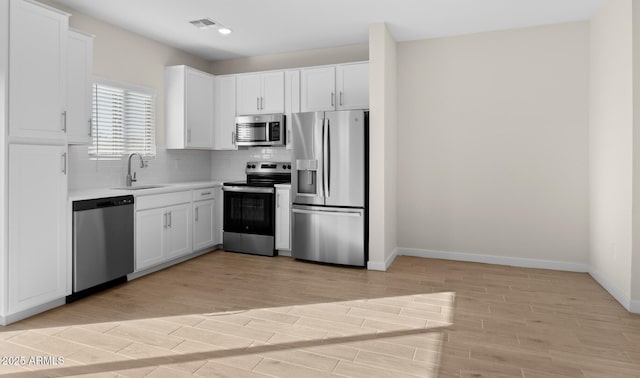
{"type": "Point", "coordinates": [230, 165]}
{"type": "Point", "coordinates": [166, 166]}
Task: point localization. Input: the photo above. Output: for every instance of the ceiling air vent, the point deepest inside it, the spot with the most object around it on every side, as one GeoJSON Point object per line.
{"type": "Point", "coordinates": [203, 23]}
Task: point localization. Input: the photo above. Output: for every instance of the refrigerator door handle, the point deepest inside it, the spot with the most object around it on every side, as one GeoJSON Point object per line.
{"type": "Point", "coordinates": [328, 212]}
{"type": "Point", "coordinates": [328, 158]}
{"type": "Point", "coordinates": [325, 158]}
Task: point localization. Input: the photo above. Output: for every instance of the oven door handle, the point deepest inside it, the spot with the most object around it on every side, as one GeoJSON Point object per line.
{"type": "Point", "coordinates": [328, 212]}
{"type": "Point", "coordinates": [247, 189]}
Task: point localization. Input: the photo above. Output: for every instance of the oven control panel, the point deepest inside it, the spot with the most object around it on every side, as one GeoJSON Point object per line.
{"type": "Point", "coordinates": [268, 167]}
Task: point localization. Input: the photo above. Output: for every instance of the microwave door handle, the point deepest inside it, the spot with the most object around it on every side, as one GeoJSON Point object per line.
{"type": "Point", "coordinates": [267, 131]}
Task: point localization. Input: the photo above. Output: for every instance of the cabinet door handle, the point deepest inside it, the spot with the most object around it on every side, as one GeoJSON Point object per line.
{"type": "Point", "coordinates": [63, 159]}
{"type": "Point", "coordinates": [340, 98]}
{"type": "Point", "coordinates": [197, 213]}
{"type": "Point", "coordinates": [168, 219]}
{"type": "Point", "coordinates": [332, 99]}
{"type": "Point", "coordinates": [164, 220]}
{"type": "Point", "coordinates": [205, 194]}
{"type": "Point", "coordinates": [233, 138]}
{"type": "Point", "coordinates": [257, 103]}
{"type": "Point", "coordinates": [64, 121]}
{"type": "Point", "coordinates": [261, 103]}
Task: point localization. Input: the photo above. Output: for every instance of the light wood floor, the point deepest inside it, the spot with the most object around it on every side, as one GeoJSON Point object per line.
{"type": "Point", "coordinates": [233, 315]}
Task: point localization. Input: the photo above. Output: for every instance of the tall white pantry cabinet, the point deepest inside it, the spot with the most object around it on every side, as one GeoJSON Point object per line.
{"type": "Point", "coordinates": [33, 112]}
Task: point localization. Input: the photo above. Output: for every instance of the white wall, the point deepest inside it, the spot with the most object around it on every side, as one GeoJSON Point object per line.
{"type": "Point", "coordinates": [635, 266]}
{"type": "Point", "coordinates": [127, 57]}
{"type": "Point", "coordinates": [492, 143]}
{"type": "Point", "coordinates": [4, 126]}
{"type": "Point", "coordinates": [383, 146]}
{"type": "Point", "coordinates": [611, 144]}
{"type": "Point", "coordinates": [315, 57]}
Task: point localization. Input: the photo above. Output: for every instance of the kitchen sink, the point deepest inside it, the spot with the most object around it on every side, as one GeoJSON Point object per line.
{"type": "Point", "coordinates": [140, 187]}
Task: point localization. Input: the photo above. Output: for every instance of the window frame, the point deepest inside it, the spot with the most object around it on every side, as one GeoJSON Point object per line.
{"type": "Point", "coordinates": [126, 87]}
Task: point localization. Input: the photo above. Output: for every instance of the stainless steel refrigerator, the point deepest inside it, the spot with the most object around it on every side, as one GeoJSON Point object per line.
{"type": "Point", "coordinates": [329, 186]}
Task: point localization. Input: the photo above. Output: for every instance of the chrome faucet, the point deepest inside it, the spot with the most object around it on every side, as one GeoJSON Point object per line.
{"type": "Point", "coordinates": [131, 180]}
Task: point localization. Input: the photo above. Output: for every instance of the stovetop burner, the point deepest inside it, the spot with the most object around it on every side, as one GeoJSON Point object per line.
{"type": "Point", "coordinates": [256, 184]}
{"type": "Point", "coordinates": [265, 174]}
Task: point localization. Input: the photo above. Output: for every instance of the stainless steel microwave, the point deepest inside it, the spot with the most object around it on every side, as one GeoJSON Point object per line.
{"type": "Point", "coordinates": [261, 130]}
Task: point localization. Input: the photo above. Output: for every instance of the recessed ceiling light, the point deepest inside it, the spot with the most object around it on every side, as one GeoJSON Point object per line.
{"type": "Point", "coordinates": [224, 31]}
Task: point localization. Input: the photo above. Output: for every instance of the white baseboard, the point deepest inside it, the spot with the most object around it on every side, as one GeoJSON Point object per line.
{"type": "Point", "coordinates": [155, 268]}
{"type": "Point", "coordinates": [629, 304]}
{"type": "Point", "coordinates": [499, 260]}
{"type": "Point", "coordinates": [383, 266]}
{"type": "Point", "coordinates": [619, 296]}
{"type": "Point", "coordinates": [12, 318]}
{"type": "Point", "coordinates": [634, 307]}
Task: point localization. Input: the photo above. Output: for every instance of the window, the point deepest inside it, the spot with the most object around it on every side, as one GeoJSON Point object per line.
{"type": "Point", "coordinates": [123, 121]}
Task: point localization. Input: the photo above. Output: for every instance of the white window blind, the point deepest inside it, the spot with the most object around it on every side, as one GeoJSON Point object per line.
{"type": "Point", "coordinates": [123, 122]}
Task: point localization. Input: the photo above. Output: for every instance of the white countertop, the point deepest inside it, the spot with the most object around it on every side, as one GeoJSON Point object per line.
{"type": "Point", "coordinates": [83, 194]}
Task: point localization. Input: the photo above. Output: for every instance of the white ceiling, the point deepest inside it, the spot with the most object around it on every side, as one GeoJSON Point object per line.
{"type": "Point", "coordinates": [262, 27]}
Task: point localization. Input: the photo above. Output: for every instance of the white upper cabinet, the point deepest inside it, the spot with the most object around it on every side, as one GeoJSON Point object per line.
{"type": "Point", "coordinates": [260, 93]}
{"type": "Point", "coordinates": [224, 129]}
{"type": "Point", "coordinates": [37, 75]}
{"type": "Point", "coordinates": [272, 93]}
{"type": "Point", "coordinates": [291, 100]}
{"type": "Point", "coordinates": [248, 94]}
{"type": "Point", "coordinates": [79, 92]}
{"type": "Point", "coordinates": [318, 89]}
{"type": "Point", "coordinates": [340, 87]}
{"type": "Point", "coordinates": [189, 107]}
{"type": "Point", "coordinates": [352, 86]}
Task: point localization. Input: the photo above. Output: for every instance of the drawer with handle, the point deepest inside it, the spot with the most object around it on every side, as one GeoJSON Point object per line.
{"type": "Point", "coordinates": [203, 194]}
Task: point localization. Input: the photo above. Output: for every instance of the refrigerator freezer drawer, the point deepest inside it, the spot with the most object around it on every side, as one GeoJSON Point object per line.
{"type": "Point", "coordinates": [330, 235]}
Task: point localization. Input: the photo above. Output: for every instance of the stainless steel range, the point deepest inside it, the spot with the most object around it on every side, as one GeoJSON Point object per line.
{"type": "Point", "coordinates": [249, 216]}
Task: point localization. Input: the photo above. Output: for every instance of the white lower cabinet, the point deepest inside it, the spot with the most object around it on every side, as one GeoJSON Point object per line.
{"type": "Point", "coordinates": [283, 218]}
{"type": "Point", "coordinates": [163, 228]}
{"type": "Point", "coordinates": [219, 215]}
{"type": "Point", "coordinates": [150, 237]}
{"type": "Point", "coordinates": [203, 224]}
{"type": "Point", "coordinates": [36, 224]}
{"type": "Point", "coordinates": [178, 230]}
{"type": "Point", "coordinates": [171, 225]}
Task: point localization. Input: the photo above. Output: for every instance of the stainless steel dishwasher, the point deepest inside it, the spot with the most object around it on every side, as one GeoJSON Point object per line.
{"type": "Point", "coordinates": [103, 243]}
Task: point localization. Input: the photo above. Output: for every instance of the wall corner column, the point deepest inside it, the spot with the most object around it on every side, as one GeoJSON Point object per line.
{"type": "Point", "coordinates": [383, 147]}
